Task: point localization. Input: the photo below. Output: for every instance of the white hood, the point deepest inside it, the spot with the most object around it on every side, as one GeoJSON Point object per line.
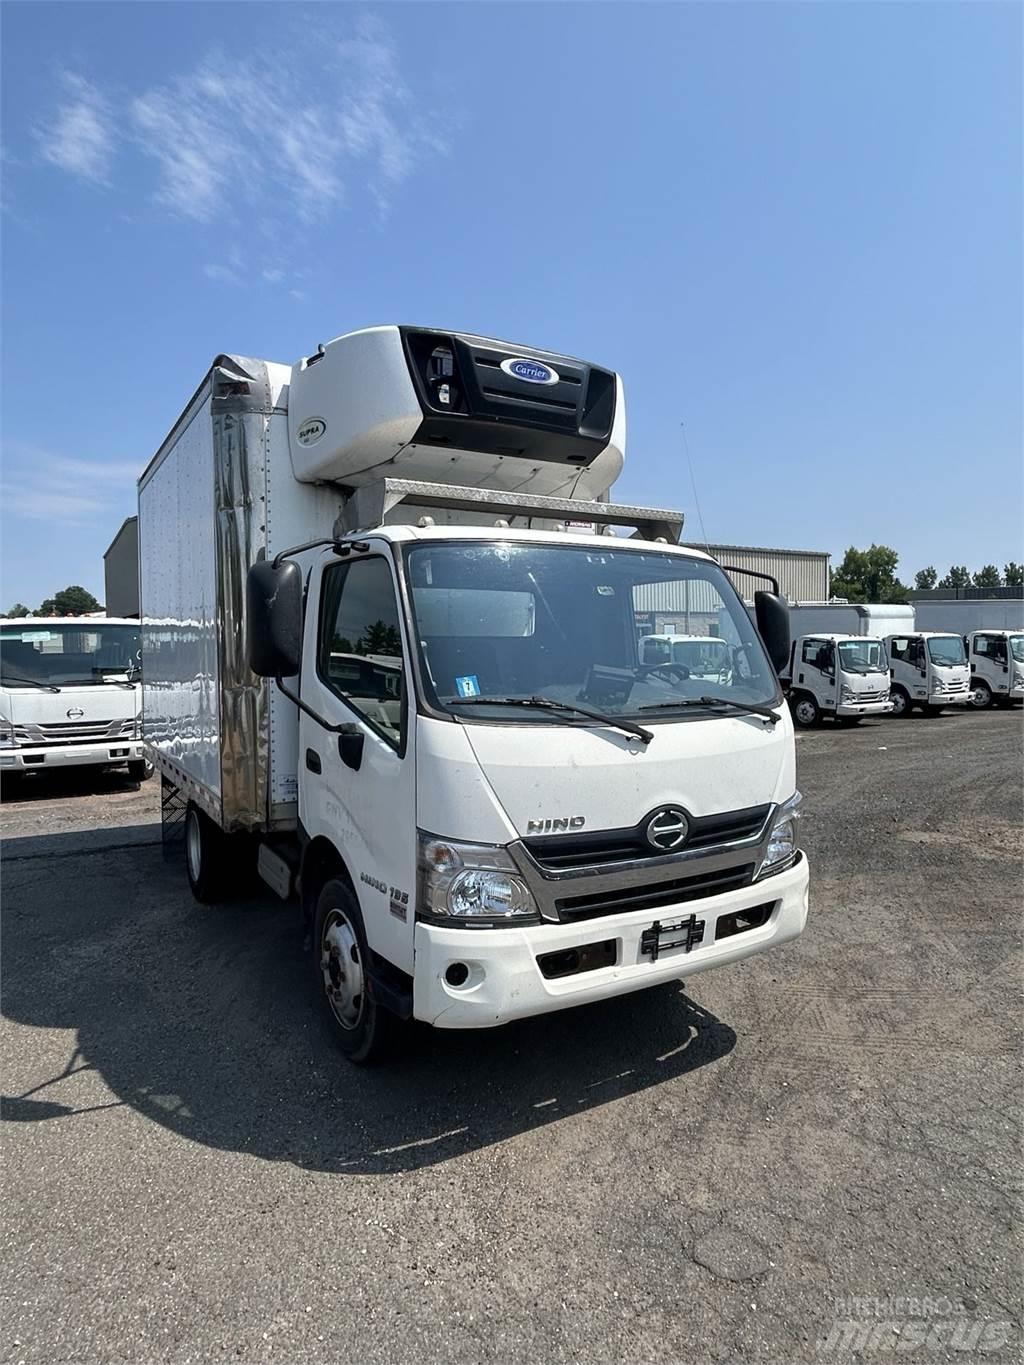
{"type": "Point", "coordinates": [610, 780]}
{"type": "Point", "coordinates": [97, 702]}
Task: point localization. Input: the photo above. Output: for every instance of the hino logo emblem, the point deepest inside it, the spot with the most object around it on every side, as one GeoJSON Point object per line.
{"type": "Point", "coordinates": [667, 830]}
{"type": "Point", "coordinates": [556, 826]}
{"type": "Point", "coordinates": [75, 713]}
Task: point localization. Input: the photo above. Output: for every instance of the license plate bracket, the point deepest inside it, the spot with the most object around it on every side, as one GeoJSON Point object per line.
{"type": "Point", "coordinates": [680, 933]}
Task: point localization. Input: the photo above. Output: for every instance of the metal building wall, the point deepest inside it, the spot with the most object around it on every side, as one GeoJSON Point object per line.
{"type": "Point", "coordinates": [803, 574]}
{"type": "Point", "coordinates": [121, 571]}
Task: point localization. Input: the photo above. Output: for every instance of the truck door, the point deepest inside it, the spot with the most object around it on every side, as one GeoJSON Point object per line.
{"type": "Point", "coordinates": [357, 788]}
{"type": "Point", "coordinates": [817, 671]}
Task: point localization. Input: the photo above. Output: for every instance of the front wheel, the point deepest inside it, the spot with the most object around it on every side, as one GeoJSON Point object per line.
{"type": "Point", "coordinates": [900, 702]}
{"type": "Point", "coordinates": [805, 711]}
{"type": "Point", "coordinates": [981, 695]}
{"type": "Point", "coordinates": [360, 1026]}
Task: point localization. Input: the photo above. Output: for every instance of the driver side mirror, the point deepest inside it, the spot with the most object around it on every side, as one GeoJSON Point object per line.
{"type": "Point", "coordinates": [771, 612]}
{"type": "Point", "coordinates": [273, 619]}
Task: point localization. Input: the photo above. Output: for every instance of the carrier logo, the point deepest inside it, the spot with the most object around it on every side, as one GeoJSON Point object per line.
{"type": "Point", "coordinates": [533, 371]}
{"type": "Point", "coordinates": [667, 830]}
{"type": "Point", "coordinates": [310, 431]}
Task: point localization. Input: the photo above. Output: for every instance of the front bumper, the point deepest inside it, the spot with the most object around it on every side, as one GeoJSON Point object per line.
{"type": "Point", "coordinates": [27, 759]}
{"type": "Point", "coordinates": [863, 708]}
{"type": "Point", "coordinates": [950, 698]}
{"type": "Point", "coordinates": [504, 981]}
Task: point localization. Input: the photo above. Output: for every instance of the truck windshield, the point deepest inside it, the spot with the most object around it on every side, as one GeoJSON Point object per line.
{"type": "Point", "coordinates": [946, 650]}
{"type": "Point", "coordinates": [572, 624]}
{"type": "Point", "coordinates": [82, 653]}
{"type": "Point", "coordinates": [862, 656]}
{"type": "Point", "coordinates": [1017, 647]}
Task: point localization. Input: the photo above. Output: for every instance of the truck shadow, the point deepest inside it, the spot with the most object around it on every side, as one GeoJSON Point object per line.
{"type": "Point", "coordinates": [23, 789]}
{"type": "Point", "coordinates": [203, 1020]}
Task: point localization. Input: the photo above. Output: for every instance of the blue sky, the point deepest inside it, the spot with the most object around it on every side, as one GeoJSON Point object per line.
{"type": "Point", "coordinates": [795, 228]}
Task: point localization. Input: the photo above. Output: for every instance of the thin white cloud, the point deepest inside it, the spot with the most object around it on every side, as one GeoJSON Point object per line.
{"type": "Point", "coordinates": [80, 136]}
{"type": "Point", "coordinates": [62, 489]}
{"type": "Point", "coordinates": [223, 274]}
{"type": "Point", "coordinates": [301, 132]}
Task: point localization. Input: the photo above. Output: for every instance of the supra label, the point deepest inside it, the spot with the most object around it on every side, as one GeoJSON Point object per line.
{"type": "Point", "coordinates": [311, 431]}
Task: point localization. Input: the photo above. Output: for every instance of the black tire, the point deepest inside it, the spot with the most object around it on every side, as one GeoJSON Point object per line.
{"type": "Point", "coordinates": [981, 695]}
{"type": "Point", "coordinates": [140, 770]}
{"type": "Point", "coordinates": [901, 704]}
{"type": "Point", "coordinates": [205, 857]}
{"type": "Point", "coordinates": [360, 1026]}
{"type": "Point", "coordinates": [806, 712]}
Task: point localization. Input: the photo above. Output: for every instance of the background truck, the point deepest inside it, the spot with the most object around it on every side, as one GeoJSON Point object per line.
{"type": "Point", "coordinates": [70, 695]}
{"type": "Point", "coordinates": [843, 676]}
{"type": "Point", "coordinates": [996, 659]}
{"type": "Point", "coordinates": [377, 659]}
{"type": "Point", "coordinates": [962, 615]}
{"type": "Point", "coordinates": [927, 670]}
{"type": "Point", "coordinates": [877, 619]}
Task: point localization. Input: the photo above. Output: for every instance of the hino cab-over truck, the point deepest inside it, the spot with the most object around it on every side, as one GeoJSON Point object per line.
{"type": "Point", "coordinates": [382, 653]}
{"type": "Point", "coordinates": [69, 695]}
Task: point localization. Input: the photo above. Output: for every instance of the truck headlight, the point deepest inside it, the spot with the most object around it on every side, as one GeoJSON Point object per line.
{"type": "Point", "coordinates": [472, 884]}
{"type": "Point", "coordinates": [781, 850]}
{"type": "Point", "coordinates": [847, 693]}
{"type": "Point", "coordinates": [1018, 679]}
{"type": "Point", "coordinates": [6, 735]}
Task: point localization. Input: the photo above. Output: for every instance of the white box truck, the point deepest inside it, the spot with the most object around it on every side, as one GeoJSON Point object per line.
{"type": "Point", "coordinates": [70, 695]}
{"type": "Point", "coordinates": [380, 649]}
{"type": "Point", "coordinates": [875, 619]}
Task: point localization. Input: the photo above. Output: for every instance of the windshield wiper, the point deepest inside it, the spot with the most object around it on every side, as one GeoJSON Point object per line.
{"type": "Point", "coordinates": [764, 711]}
{"type": "Point", "coordinates": [547, 704]}
{"type": "Point", "coordinates": [28, 682]}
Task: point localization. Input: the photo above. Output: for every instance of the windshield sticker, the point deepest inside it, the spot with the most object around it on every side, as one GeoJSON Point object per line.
{"type": "Point", "coordinates": [29, 637]}
{"type": "Point", "coordinates": [468, 686]}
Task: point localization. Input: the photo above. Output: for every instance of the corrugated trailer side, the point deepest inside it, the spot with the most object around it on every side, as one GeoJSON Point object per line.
{"type": "Point", "coordinates": [202, 522]}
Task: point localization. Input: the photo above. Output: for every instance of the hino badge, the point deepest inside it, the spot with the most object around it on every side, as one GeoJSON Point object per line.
{"type": "Point", "coordinates": [396, 645]}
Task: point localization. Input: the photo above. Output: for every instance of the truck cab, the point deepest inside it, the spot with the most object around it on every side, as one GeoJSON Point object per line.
{"type": "Point", "coordinates": [996, 660]}
{"type": "Point", "coordinates": [70, 695]}
{"type": "Point", "coordinates": [695, 656]}
{"type": "Point", "coordinates": [928, 670]}
{"type": "Point", "coordinates": [843, 676]}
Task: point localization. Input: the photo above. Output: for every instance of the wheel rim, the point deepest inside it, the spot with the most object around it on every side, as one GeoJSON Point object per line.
{"type": "Point", "coordinates": [899, 703]}
{"type": "Point", "coordinates": [194, 846]}
{"type": "Point", "coordinates": [980, 697]}
{"type": "Point", "coordinates": [341, 969]}
{"type": "Point", "coordinates": [805, 712]}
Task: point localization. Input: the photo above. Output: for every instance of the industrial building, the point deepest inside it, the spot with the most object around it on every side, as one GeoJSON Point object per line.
{"type": "Point", "coordinates": [121, 571]}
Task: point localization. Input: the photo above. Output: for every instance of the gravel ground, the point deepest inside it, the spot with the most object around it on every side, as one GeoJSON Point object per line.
{"type": "Point", "coordinates": [812, 1156]}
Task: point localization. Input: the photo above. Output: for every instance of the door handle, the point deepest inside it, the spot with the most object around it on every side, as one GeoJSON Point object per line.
{"type": "Point", "coordinates": [313, 761]}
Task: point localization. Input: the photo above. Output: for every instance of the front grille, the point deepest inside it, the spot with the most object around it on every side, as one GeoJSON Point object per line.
{"type": "Point", "coordinates": [877, 694]}
{"type": "Point", "coordinates": [654, 896]}
{"type": "Point", "coordinates": [573, 852]}
{"type": "Point", "coordinates": [73, 731]}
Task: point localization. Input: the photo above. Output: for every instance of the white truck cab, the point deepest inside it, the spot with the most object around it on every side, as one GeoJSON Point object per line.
{"type": "Point", "coordinates": [695, 656]}
{"type": "Point", "coordinates": [996, 660]}
{"type": "Point", "coordinates": [379, 645]}
{"type": "Point", "coordinates": [843, 676]}
{"type": "Point", "coordinates": [70, 694]}
{"type": "Point", "coordinates": [927, 670]}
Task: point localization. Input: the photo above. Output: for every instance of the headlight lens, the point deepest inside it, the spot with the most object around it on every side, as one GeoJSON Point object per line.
{"type": "Point", "coordinates": [472, 884]}
{"type": "Point", "coordinates": [846, 693]}
{"type": "Point", "coordinates": [6, 734]}
{"type": "Point", "coordinates": [782, 849]}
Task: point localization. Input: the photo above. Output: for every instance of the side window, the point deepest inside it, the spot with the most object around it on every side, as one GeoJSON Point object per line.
{"type": "Point", "coordinates": [898, 650]}
{"type": "Point", "coordinates": [917, 653]}
{"type": "Point", "coordinates": [359, 652]}
{"type": "Point", "coordinates": [810, 652]}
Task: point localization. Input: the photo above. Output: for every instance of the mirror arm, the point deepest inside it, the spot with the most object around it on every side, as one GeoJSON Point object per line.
{"type": "Point", "coordinates": [293, 697]}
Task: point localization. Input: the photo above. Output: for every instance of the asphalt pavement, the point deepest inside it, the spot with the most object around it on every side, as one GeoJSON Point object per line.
{"type": "Point", "coordinates": [811, 1156]}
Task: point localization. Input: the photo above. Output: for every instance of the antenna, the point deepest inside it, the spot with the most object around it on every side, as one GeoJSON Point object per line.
{"type": "Point", "coordinates": [693, 485]}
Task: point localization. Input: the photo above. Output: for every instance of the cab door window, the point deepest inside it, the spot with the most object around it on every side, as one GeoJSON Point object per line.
{"type": "Point", "coordinates": [359, 655]}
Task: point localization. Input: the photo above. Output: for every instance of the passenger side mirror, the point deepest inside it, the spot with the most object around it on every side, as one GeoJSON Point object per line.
{"type": "Point", "coordinates": [772, 615]}
{"type": "Point", "coordinates": [273, 619]}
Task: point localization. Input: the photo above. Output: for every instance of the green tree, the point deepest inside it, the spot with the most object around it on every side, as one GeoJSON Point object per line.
{"type": "Point", "coordinates": [926, 578]}
{"type": "Point", "coordinates": [70, 601]}
{"type": "Point", "coordinates": [869, 576]}
{"type": "Point", "coordinates": [380, 639]}
{"type": "Point", "coordinates": [19, 609]}
{"type": "Point", "coordinates": [1013, 574]}
{"type": "Point", "coordinates": [987, 577]}
{"type": "Point", "coordinates": [959, 576]}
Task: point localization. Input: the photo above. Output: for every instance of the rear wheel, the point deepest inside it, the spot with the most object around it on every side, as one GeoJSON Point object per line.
{"type": "Point", "coordinates": [981, 695]}
{"type": "Point", "coordinates": [806, 712]}
{"type": "Point", "coordinates": [205, 856]}
{"type": "Point", "coordinates": [360, 1026]}
{"type": "Point", "coordinates": [900, 702]}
